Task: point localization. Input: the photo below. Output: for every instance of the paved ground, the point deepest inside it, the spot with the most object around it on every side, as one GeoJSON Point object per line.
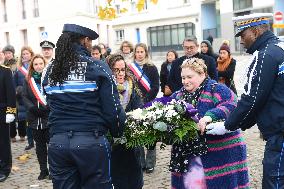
{"type": "Point", "coordinates": [24, 174]}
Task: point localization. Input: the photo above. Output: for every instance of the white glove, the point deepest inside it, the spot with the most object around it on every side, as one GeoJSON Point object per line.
{"type": "Point", "coordinates": [217, 128]}
{"type": "Point", "coordinates": [10, 118]}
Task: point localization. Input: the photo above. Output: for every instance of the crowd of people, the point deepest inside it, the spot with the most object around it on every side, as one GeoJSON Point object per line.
{"type": "Point", "coordinates": [70, 101]}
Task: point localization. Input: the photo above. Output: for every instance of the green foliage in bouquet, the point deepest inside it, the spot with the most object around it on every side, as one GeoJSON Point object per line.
{"type": "Point", "coordinates": [167, 123]}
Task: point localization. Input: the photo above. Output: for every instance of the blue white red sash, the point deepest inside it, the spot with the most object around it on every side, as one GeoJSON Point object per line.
{"type": "Point", "coordinates": [36, 91]}
{"type": "Point", "coordinates": [142, 78]}
{"type": "Point", "coordinates": [23, 70]}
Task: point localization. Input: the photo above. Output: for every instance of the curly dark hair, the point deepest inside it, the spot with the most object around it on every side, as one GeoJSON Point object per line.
{"type": "Point", "coordinates": [66, 57]}
{"type": "Point", "coordinates": [112, 59]}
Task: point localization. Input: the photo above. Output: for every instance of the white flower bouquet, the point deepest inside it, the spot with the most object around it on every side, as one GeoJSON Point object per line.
{"type": "Point", "coordinates": [165, 120]}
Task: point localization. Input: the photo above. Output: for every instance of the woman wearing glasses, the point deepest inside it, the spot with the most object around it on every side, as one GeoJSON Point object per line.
{"type": "Point", "coordinates": [126, 165]}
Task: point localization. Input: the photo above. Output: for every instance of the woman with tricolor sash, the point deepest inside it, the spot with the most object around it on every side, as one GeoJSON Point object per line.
{"type": "Point", "coordinates": [37, 111]}
{"type": "Point", "coordinates": [147, 77]}
{"type": "Point", "coordinates": [19, 77]}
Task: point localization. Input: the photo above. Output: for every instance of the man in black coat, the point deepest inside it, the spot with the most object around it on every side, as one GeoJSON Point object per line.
{"type": "Point", "coordinates": [7, 111]}
{"type": "Point", "coordinates": [262, 102]}
{"type": "Point", "coordinates": [190, 46]}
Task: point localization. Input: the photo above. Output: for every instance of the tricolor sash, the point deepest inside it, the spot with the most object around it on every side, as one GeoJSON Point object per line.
{"type": "Point", "coordinates": [36, 91]}
{"type": "Point", "coordinates": [142, 78]}
{"type": "Point", "coordinates": [23, 70]}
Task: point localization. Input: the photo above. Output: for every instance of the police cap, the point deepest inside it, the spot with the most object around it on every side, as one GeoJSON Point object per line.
{"type": "Point", "coordinates": [80, 30]}
{"type": "Point", "coordinates": [251, 20]}
{"type": "Point", "coordinates": [47, 44]}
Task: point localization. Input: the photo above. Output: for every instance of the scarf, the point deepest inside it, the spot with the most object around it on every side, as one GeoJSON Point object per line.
{"type": "Point", "coordinates": [143, 62]}
{"type": "Point", "coordinates": [193, 97]}
{"type": "Point", "coordinates": [36, 75]}
{"type": "Point", "coordinates": [182, 152]}
{"type": "Point", "coordinates": [222, 66]}
{"type": "Point", "coordinates": [124, 91]}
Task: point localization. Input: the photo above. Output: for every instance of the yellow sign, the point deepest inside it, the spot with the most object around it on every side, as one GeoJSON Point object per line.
{"type": "Point", "coordinates": [278, 25]}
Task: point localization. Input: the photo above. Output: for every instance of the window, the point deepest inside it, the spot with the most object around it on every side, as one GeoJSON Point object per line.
{"type": "Point", "coordinates": [7, 36]}
{"type": "Point", "coordinates": [42, 34]}
{"type": "Point", "coordinates": [24, 37]}
{"type": "Point", "coordinates": [36, 11]}
{"type": "Point", "coordinates": [117, 7]}
{"type": "Point", "coordinates": [23, 10]}
{"type": "Point", "coordinates": [242, 4]}
{"type": "Point", "coordinates": [3, 2]}
{"type": "Point", "coordinates": [163, 38]}
{"type": "Point", "coordinates": [119, 35]}
{"type": "Point", "coordinates": [185, 1]}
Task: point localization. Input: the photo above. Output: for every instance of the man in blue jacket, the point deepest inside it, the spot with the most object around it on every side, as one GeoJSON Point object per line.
{"type": "Point", "coordinates": [262, 103]}
{"type": "Point", "coordinates": [190, 46]}
{"type": "Point", "coordinates": [84, 106]}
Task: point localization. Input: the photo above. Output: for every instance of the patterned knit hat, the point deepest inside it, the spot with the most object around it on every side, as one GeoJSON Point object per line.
{"type": "Point", "coordinates": [226, 48]}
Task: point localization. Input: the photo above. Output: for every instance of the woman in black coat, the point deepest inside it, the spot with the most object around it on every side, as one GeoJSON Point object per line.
{"type": "Point", "coordinates": [226, 68]}
{"type": "Point", "coordinates": [126, 167]}
{"type": "Point", "coordinates": [165, 71]}
{"type": "Point", "coordinates": [37, 111]}
{"type": "Point", "coordinates": [147, 77]}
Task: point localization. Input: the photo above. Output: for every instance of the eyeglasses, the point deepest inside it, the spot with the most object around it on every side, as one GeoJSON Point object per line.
{"type": "Point", "coordinates": [189, 47]}
{"type": "Point", "coordinates": [117, 70]}
{"type": "Point", "coordinates": [125, 45]}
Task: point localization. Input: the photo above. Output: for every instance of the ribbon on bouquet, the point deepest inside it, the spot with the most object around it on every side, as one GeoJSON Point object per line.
{"type": "Point", "coordinates": [190, 110]}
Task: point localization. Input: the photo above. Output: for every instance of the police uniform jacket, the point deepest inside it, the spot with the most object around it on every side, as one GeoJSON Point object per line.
{"type": "Point", "coordinates": [7, 93]}
{"type": "Point", "coordinates": [174, 80]}
{"type": "Point", "coordinates": [87, 101]}
{"type": "Point", "coordinates": [262, 103]}
{"type": "Point", "coordinates": [37, 114]}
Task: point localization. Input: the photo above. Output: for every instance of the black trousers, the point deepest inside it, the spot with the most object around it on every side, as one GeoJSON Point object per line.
{"type": "Point", "coordinates": [273, 163]}
{"type": "Point", "coordinates": [79, 160]}
{"type": "Point", "coordinates": [41, 138]}
{"type": "Point", "coordinates": [5, 146]}
{"type": "Point", "coordinates": [126, 168]}
{"type": "Point", "coordinates": [21, 129]}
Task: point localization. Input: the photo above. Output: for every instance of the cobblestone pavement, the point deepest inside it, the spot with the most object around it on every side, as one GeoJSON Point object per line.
{"type": "Point", "coordinates": [24, 174]}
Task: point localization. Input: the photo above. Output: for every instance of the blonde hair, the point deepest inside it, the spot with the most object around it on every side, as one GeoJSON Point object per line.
{"type": "Point", "coordinates": [195, 64]}
{"type": "Point", "coordinates": [147, 58]}
{"type": "Point", "coordinates": [24, 48]}
{"type": "Point", "coordinates": [127, 43]}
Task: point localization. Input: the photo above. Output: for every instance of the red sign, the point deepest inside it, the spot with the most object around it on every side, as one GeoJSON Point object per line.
{"type": "Point", "coordinates": [278, 16]}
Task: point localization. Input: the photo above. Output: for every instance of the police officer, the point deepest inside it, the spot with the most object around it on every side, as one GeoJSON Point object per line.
{"type": "Point", "coordinates": [47, 50]}
{"type": "Point", "coordinates": [262, 102]}
{"type": "Point", "coordinates": [84, 106]}
{"type": "Point", "coordinates": [7, 111]}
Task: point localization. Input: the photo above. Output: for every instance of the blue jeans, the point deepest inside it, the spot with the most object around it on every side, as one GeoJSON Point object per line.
{"type": "Point", "coordinates": [30, 136]}
{"type": "Point", "coordinates": [79, 160]}
{"type": "Point", "coordinates": [273, 163]}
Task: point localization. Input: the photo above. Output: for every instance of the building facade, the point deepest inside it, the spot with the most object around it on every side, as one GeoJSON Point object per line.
{"type": "Point", "coordinates": [161, 27]}
{"type": "Point", "coordinates": [28, 22]}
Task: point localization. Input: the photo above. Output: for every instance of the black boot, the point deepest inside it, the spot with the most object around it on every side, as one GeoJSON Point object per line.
{"type": "Point", "coordinates": [3, 177]}
{"type": "Point", "coordinates": [43, 175]}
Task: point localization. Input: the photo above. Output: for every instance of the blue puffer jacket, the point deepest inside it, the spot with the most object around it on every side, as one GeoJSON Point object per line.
{"type": "Point", "coordinates": [19, 79]}
{"type": "Point", "coordinates": [263, 101]}
{"type": "Point", "coordinates": [87, 101]}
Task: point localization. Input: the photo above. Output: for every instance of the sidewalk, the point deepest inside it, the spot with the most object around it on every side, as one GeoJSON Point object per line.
{"type": "Point", "coordinates": [26, 175]}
